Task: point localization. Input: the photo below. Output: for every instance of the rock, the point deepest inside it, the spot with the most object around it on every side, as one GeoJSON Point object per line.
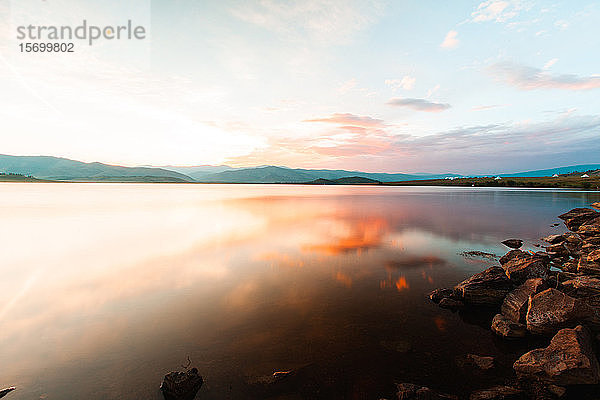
{"type": "Point", "coordinates": [551, 310]}
{"type": "Point", "coordinates": [513, 243]}
{"type": "Point", "coordinates": [516, 302]}
{"type": "Point", "coordinates": [481, 362]}
{"type": "Point", "coordinates": [6, 391]}
{"type": "Point", "coordinates": [558, 249]}
{"type": "Point", "coordinates": [507, 328]}
{"type": "Point", "coordinates": [438, 294]}
{"type": "Point", "coordinates": [590, 228]}
{"type": "Point", "coordinates": [497, 393]}
{"type": "Point", "coordinates": [558, 391]}
{"type": "Point", "coordinates": [568, 266]}
{"type": "Point", "coordinates": [409, 391]}
{"type": "Point", "coordinates": [568, 360]}
{"type": "Point", "coordinates": [553, 239]}
{"type": "Point", "coordinates": [526, 266]}
{"type": "Point", "coordinates": [596, 205]}
{"type": "Point", "coordinates": [451, 303]}
{"type": "Point", "coordinates": [510, 255]}
{"type": "Point", "coordinates": [586, 265]}
{"type": "Point", "coordinates": [586, 288]}
{"type": "Point", "coordinates": [181, 385]}
{"type": "Point", "coordinates": [488, 287]}
{"type": "Point", "coordinates": [577, 217]}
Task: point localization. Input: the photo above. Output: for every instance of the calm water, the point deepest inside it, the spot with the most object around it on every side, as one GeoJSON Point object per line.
{"type": "Point", "coordinates": [106, 287]}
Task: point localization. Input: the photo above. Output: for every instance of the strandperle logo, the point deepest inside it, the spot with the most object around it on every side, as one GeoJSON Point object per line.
{"type": "Point", "coordinates": [85, 31]}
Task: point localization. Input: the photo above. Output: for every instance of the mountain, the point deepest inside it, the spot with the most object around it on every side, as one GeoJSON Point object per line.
{"type": "Point", "coordinates": [199, 171]}
{"type": "Point", "coordinates": [552, 171]}
{"type": "Point", "coordinates": [272, 174]}
{"type": "Point", "coordinates": [350, 180]}
{"type": "Point", "coordinates": [63, 169]}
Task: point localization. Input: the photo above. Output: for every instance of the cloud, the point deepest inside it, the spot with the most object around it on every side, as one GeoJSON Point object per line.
{"type": "Point", "coordinates": [327, 22]}
{"type": "Point", "coordinates": [486, 107]}
{"type": "Point", "coordinates": [494, 10]}
{"type": "Point", "coordinates": [406, 83]}
{"type": "Point", "coordinates": [529, 78]}
{"type": "Point", "coordinates": [450, 41]}
{"type": "Point", "coordinates": [419, 104]}
{"type": "Point", "coordinates": [350, 119]}
{"type": "Point", "coordinates": [550, 63]}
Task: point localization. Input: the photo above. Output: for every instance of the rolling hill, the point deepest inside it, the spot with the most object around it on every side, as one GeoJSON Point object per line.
{"type": "Point", "coordinates": [63, 169]}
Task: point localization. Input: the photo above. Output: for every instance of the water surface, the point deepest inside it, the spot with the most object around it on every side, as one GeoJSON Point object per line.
{"type": "Point", "coordinates": [106, 287]}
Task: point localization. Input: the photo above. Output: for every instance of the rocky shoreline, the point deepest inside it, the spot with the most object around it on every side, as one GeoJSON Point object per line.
{"type": "Point", "coordinates": [553, 293]}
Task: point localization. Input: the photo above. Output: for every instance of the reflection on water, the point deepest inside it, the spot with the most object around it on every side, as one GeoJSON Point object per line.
{"type": "Point", "coordinates": [106, 287]}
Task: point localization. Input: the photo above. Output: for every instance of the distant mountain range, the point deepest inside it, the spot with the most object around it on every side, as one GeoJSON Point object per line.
{"type": "Point", "coordinates": [63, 169]}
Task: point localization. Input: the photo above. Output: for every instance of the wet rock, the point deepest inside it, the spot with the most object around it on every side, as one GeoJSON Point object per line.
{"type": "Point", "coordinates": [513, 243]}
{"type": "Point", "coordinates": [478, 254]}
{"type": "Point", "coordinates": [451, 304]}
{"type": "Point", "coordinates": [6, 391]}
{"type": "Point", "coordinates": [498, 393]}
{"type": "Point", "coordinates": [409, 391]}
{"type": "Point", "coordinates": [181, 385]}
{"type": "Point", "coordinates": [507, 328]}
{"type": "Point", "coordinates": [488, 287]}
{"type": "Point", "coordinates": [526, 266]}
{"type": "Point", "coordinates": [568, 360]}
{"type": "Point", "coordinates": [553, 239]}
{"type": "Point", "coordinates": [510, 255]}
{"type": "Point", "coordinates": [590, 228]}
{"type": "Point", "coordinates": [472, 360]}
{"type": "Point", "coordinates": [558, 249]}
{"type": "Point", "coordinates": [596, 205]}
{"type": "Point", "coordinates": [587, 265]}
{"type": "Point", "coordinates": [568, 266]}
{"type": "Point", "coordinates": [516, 302]}
{"type": "Point", "coordinates": [551, 310]}
{"type": "Point", "coordinates": [586, 288]}
{"type": "Point", "coordinates": [438, 294]}
{"type": "Point", "coordinates": [577, 217]}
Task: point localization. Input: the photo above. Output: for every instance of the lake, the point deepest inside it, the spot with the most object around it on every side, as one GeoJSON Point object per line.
{"type": "Point", "coordinates": [107, 287]}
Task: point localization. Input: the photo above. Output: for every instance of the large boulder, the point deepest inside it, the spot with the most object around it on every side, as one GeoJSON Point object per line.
{"type": "Point", "coordinates": [577, 217]}
{"type": "Point", "coordinates": [586, 288]}
{"type": "Point", "coordinates": [510, 255]}
{"type": "Point", "coordinates": [409, 391]}
{"type": "Point", "coordinates": [568, 360]}
{"type": "Point", "coordinates": [551, 310]}
{"type": "Point", "coordinates": [505, 327]}
{"type": "Point", "coordinates": [181, 385]}
{"type": "Point", "coordinates": [589, 263]}
{"type": "Point", "coordinates": [488, 287]}
{"type": "Point", "coordinates": [516, 302]}
{"type": "Point", "coordinates": [553, 239]}
{"type": "Point", "coordinates": [523, 266]}
{"type": "Point", "coordinates": [498, 393]}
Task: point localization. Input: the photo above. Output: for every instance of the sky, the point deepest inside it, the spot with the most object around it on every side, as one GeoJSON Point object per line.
{"type": "Point", "coordinates": [373, 85]}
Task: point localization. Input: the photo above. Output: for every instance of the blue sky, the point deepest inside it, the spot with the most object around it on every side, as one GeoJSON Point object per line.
{"type": "Point", "coordinates": [394, 86]}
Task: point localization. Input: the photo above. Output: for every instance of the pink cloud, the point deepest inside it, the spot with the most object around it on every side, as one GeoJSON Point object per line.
{"type": "Point", "coordinates": [529, 78]}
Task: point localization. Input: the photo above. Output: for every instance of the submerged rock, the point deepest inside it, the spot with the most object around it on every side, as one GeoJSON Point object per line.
{"type": "Point", "coordinates": [488, 287]}
{"type": "Point", "coordinates": [513, 243]}
{"type": "Point", "coordinates": [516, 302]}
{"type": "Point", "coordinates": [552, 310]}
{"type": "Point", "coordinates": [525, 266]}
{"type": "Point", "coordinates": [577, 217]}
{"type": "Point", "coordinates": [181, 385]}
{"type": "Point", "coordinates": [498, 393]}
{"type": "Point", "coordinates": [505, 327]}
{"type": "Point", "coordinates": [568, 360]}
{"type": "Point", "coordinates": [409, 391]}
